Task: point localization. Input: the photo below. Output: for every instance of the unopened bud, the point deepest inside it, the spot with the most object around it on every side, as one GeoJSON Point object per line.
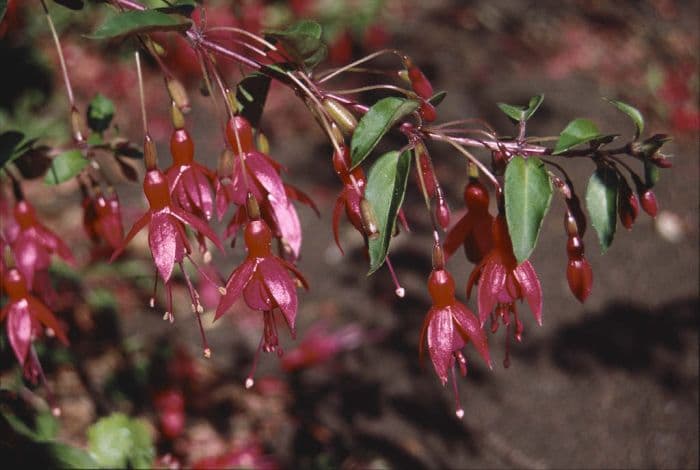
{"type": "Point", "coordinates": [150, 154]}
{"type": "Point", "coordinates": [648, 200]}
{"type": "Point", "coordinates": [369, 219]}
{"type": "Point", "coordinates": [442, 213]}
{"type": "Point", "coordinates": [78, 126]}
{"type": "Point", "coordinates": [178, 94]}
{"type": "Point", "coordinates": [176, 116]}
{"type": "Point", "coordinates": [341, 115]}
{"type": "Point", "coordinates": [427, 112]}
{"type": "Point", "coordinates": [251, 205]}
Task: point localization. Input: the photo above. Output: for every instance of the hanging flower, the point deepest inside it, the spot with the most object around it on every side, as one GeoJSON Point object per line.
{"type": "Point", "coordinates": [473, 230]}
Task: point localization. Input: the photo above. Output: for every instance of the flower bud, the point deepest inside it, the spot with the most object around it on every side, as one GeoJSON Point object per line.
{"type": "Point", "coordinates": [178, 94]}
{"type": "Point", "coordinates": [340, 115]}
{"type": "Point", "coordinates": [580, 277]}
{"type": "Point", "coordinates": [78, 126]}
{"type": "Point", "coordinates": [427, 112]}
{"type": "Point", "coordinates": [628, 206]}
{"type": "Point", "coordinates": [369, 219]}
{"type": "Point", "coordinates": [648, 200]}
{"type": "Point", "coordinates": [420, 84]}
{"type": "Point", "coordinates": [442, 213]}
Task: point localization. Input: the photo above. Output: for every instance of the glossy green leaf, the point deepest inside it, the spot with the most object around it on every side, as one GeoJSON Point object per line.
{"type": "Point", "coordinates": [118, 441]}
{"type": "Point", "coordinates": [100, 113]}
{"type": "Point", "coordinates": [528, 193]}
{"type": "Point", "coordinates": [633, 113]}
{"type": "Point", "coordinates": [386, 186]}
{"type": "Point", "coordinates": [251, 93]}
{"type": "Point", "coordinates": [65, 166]}
{"type": "Point", "coordinates": [302, 42]}
{"type": "Point", "coordinates": [137, 22]}
{"type": "Point", "coordinates": [437, 98]}
{"type": "Point", "coordinates": [601, 202]}
{"type": "Point", "coordinates": [375, 123]}
{"type": "Point", "coordinates": [578, 131]}
{"type": "Point", "coordinates": [46, 426]}
{"type": "Point", "coordinates": [521, 113]}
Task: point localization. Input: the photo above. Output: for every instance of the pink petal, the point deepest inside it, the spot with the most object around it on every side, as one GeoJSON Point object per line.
{"type": "Point", "coordinates": [19, 329]}
{"type": "Point", "coordinates": [530, 285]}
{"type": "Point", "coordinates": [199, 225]}
{"type": "Point", "coordinates": [469, 328]}
{"type": "Point", "coordinates": [56, 244]}
{"type": "Point", "coordinates": [455, 237]}
{"type": "Point", "coordinates": [337, 210]}
{"type": "Point", "coordinates": [163, 240]}
{"type": "Point", "coordinates": [281, 287]}
{"type": "Point", "coordinates": [47, 318]}
{"type": "Point", "coordinates": [136, 228]}
{"type": "Point", "coordinates": [266, 175]}
{"type": "Point", "coordinates": [296, 272]}
{"type": "Point", "coordinates": [198, 190]}
{"type": "Point", "coordinates": [491, 283]}
{"type": "Point", "coordinates": [440, 341]}
{"type": "Point", "coordinates": [221, 197]}
{"type": "Point", "coordinates": [287, 221]}
{"type": "Point", "coordinates": [234, 286]}
{"type": "Point", "coordinates": [238, 219]}
{"type": "Point", "coordinates": [256, 295]}
{"type": "Point", "coordinates": [29, 257]}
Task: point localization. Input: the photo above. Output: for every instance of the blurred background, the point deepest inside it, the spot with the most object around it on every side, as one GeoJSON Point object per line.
{"type": "Point", "coordinates": [609, 383]}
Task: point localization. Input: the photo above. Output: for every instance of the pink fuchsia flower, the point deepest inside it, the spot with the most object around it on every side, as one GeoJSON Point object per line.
{"type": "Point", "coordinates": [350, 196]}
{"type": "Point", "coordinates": [447, 329]}
{"type": "Point", "coordinates": [265, 282]}
{"type": "Point", "coordinates": [33, 243]}
{"type": "Point", "coordinates": [26, 316]}
{"type": "Point", "coordinates": [502, 281]}
{"type": "Point", "coordinates": [473, 230]}
{"type": "Point", "coordinates": [102, 219]}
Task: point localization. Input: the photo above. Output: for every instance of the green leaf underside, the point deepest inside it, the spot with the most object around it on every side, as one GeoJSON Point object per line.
{"type": "Point", "coordinates": [386, 187]}
{"type": "Point", "coordinates": [3, 9]}
{"type": "Point", "coordinates": [375, 123]}
{"type": "Point", "coordinates": [65, 166]}
{"type": "Point", "coordinates": [302, 41]}
{"type": "Point", "coordinates": [528, 194]}
{"type": "Point", "coordinates": [437, 98]}
{"type": "Point", "coordinates": [117, 441]}
{"type": "Point", "coordinates": [651, 174]}
{"type": "Point", "coordinates": [601, 202]}
{"type": "Point", "coordinates": [633, 113]}
{"type": "Point", "coordinates": [577, 132]}
{"type": "Point", "coordinates": [520, 113]}
{"type": "Point", "coordinates": [137, 22]}
{"type": "Point", "coordinates": [100, 113]}
{"type": "Point", "coordinates": [251, 93]}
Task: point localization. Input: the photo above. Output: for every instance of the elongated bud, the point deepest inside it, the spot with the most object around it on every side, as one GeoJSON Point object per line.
{"type": "Point", "coordinates": [628, 206]}
{"type": "Point", "coordinates": [178, 94]}
{"type": "Point", "coordinates": [648, 200]}
{"type": "Point", "coordinates": [150, 155]}
{"type": "Point", "coordinates": [420, 84]}
{"type": "Point", "coordinates": [251, 205]}
{"type": "Point", "coordinates": [78, 125]}
{"type": "Point", "coordinates": [426, 169]}
{"type": "Point", "coordinates": [224, 166]}
{"type": "Point", "coordinates": [340, 115]}
{"type": "Point", "coordinates": [427, 112]}
{"type": "Point", "coordinates": [580, 277]}
{"type": "Point", "coordinates": [176, 116]}
{"type": "Point", "coordinates": [369, 220]}
{"type": "Point", "coordinates": [442, 213]}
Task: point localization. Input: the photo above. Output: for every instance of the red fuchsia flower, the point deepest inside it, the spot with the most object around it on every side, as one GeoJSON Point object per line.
{"type": "Point", "coordinates": [26, 316]}
{"type": "Point", "coordinates": [448, 327]}
{"type": "Point", "coordinates": [473, 230]}
{"type": "Point", "coordinates": [502, 281]}
{"type": "Point", "coordinates": [350, 196]}
{"type": "Point", "coordinates": [265, 282]}
{"type": "Point", "coordinates": [32, 244]}
{"type": "Point", "coordinates": [102, 219]}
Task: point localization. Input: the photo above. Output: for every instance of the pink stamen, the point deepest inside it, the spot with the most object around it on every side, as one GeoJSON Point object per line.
{"type": "Point", "coordinates": [198, 310]}
{"type": "Point", "coordinates": [506, 360]}
{"type": "Point", "coordinates": [459, 411]}
{"type": "Point", "coordinates": [399, 291]}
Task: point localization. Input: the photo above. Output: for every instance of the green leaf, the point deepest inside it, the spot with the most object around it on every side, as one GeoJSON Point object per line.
{"type": "Point", "coordinates": [137, 22]}
{"type": "Point", "coordinates": [118, 441]}
{"type": "Point", "coordinates": [386, 186]}
{"type": "Point", "coordinates": [65, 166]}
{"type": "Point", "coordinates": [633, 113]}
{"type": "Point", "coordinates": [251, 93]}
{"type": "Point", "coordinates": [375, 123]}
{"type": "Point", "coordinates": [46, 426]}
{"type": "Point", "coordinates": [100, 113]}
{"type": "Point", "coordinates": [302, 42]}
{"type": "Point", "coordinates": [528, 193]}
{"type": "Point", "coordinates": [521, 113]}
{"type": "Point", "coordinates": [578, 131]}
{"type": "Point", "coordinates": [437, 98]}
{"type": "Point", "coordinates": [601, 202]}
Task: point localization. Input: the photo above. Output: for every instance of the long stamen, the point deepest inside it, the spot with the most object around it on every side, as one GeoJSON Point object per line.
{"type": "Point", "coordinates": [197, 309]}
{"type": "Point", "coordinates": [399, 291]}
{"type": "Point", "coordinates": [221, 289]}
{"type": "Point", "coordinates": [459, 411]}
{"type": "Point", "coordinates": [506, 360]}
{"type": "Point", "coordinates": [152, 300]}
{"type": "Point", "coordinates": [169, 313]}
{"type": "Point", "coordinates": [249, 381]}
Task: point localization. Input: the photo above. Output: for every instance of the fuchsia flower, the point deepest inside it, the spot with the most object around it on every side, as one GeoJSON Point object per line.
{"type": "Point", "coordinates": [25, 316]}
{"type": "Point", "coordinates": [473, 230]}
{"type": "Point", "coordinates": [502, 281]}
{"type": "Point", "coordinates": [349, 198]}
{"type": "Point", "coordinates": [265, 282]}
{"type": "Point", "coordinates": [102, 219]}
{"type": "Point", "coordinates": [448, 327]}
{"type": "Point", "coordinates": [33, 244]}
{"type": "Point", "coordinates": [166, 232]}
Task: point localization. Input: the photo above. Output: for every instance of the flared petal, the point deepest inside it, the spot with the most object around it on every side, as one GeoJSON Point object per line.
{"type": "Point", "coordinates": [234, 286]}
{"type": "Point", "coordinates": [29, 256]}
{"type": "Point", "coordinates": [163, 241]}
{"type": "Point", "coordinates": [441, 341]}
{"type": "Point", "coordinates": [198, 191]}
{"type": "Point", "coordinates": [287, 222]}
{"type": "Point", "coordinates": [199, 225]}
{"type": "Point", "coordinates": [457, 234]}
{"type": "Point", "coordinates": [47, 318]}
{"type": "Point", "coordinates": [52, 241]}
{"type": "Point", "coordinates": [266, 175]}
{"type": "Point", "coordinates": [492, 281]}
{"type": "Point", "coordinates": [531, 288]}
{"type": "Point", "coordinates": [281, 287]}
{"type": "Point", "coordinates": [470, 330]}
{"type": "Point", "coordinates": [136, 228]}
{"type": "Point", "coordinates": [238, 219]}
{"type": "Point", "coordinates": [19, 329]}
{"type": "Point", "coordinates": [256, 295]}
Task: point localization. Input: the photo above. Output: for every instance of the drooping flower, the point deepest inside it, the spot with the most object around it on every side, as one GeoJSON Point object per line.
{"type": "Point", "coordinates": [26, 316]}
{"type": "Point", "coordinates": [502, 281]}
{"type": "Point", "coordinates": [102, 219]}
{"type": "Point", "coordinates": [265, 282]}
{"type": "Point", "coordinates": [350, 196]}
{"type": "Point", "coordinates": [448, 327]}
{"type": "Point", "coordinates": [32, 244]}
{"type": "Point", "coordinates": [473, 230]}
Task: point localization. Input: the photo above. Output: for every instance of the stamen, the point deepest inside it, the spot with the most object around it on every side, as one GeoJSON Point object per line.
{"type": "Point", "coordinates": [506, 360]}
{"type": "Point", "coordinates": [459, 411]}
{"type": "Point", "coordinates": [400, 291]}
{"type": "Point", "coordinates": [152, 300]}
{"type": "Point", "coordinates": [462, 361]}
{"type": "Point", "coordinates": [171, 317]}
{"type": "Point", "coordinates": [249, 381]}
{"type": "Point", "coordinates": [198, 310]}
